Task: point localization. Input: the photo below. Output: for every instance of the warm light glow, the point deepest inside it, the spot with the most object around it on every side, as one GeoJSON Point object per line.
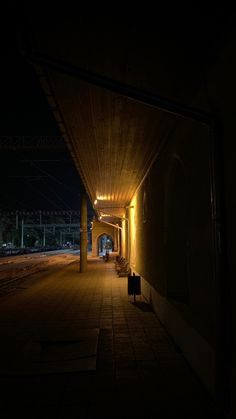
{"type": "Point", "coordinates": [132, 232]}
{"type": "Point", "coordinates": [95, 202]}
{"type": "Point", "coordinates": [103, 197]}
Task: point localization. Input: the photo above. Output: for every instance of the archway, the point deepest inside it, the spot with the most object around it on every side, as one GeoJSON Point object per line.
{"type": "Point", "coordinates": [104, 244]}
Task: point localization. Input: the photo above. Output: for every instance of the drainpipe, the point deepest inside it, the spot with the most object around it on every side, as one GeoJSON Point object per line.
{"type": "Point", "coordinates": [139, 95]}
{"type": "Point", "coordinates": [220, 269]}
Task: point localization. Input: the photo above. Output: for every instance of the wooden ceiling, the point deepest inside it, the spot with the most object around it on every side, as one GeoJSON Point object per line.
{"type": "Point", "coordinates": [113, 138]}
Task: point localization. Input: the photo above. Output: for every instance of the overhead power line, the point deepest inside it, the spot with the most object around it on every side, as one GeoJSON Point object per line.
{"type": "Point", "coordinates": [42, 142]}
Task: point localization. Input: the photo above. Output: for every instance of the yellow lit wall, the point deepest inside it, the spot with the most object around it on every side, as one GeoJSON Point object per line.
{"type": "Point", "coordinates": [132, 213]}
{"type": "Point", "coordinates": [170, 239]}
{"type": "Point", "coordinates": [124, 247]}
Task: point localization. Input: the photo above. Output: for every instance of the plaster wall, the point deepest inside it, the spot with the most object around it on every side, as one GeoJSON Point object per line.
{"type": "Point", "coordinates": [98, 230]}
{"type": "Point", "coordinates": [171, 246]}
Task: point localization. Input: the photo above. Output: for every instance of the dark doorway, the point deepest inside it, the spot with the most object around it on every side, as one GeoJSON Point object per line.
{"type": "Point", "coordinates": [105, 244]}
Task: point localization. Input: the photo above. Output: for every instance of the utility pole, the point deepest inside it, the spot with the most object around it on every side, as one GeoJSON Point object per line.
{"type": "Point", "coordinates": [22, 233]}
{"type": "Point", "coordinates": [44, 236]}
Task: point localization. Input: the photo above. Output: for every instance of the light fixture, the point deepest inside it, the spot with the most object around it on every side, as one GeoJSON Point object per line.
{"type": "Point", "coordinates": [103, 197]}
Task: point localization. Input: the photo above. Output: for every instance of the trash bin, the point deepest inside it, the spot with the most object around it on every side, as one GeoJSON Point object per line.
{"type": "Point", "coordinates": [134, 285]}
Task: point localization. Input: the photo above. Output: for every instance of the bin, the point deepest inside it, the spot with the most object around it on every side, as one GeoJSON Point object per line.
{"type": "Point", "coordinates": [134, 285]}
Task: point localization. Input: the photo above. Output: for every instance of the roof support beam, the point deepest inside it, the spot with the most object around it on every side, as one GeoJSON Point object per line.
{"type": "Point", "coordinates": [132, 92]}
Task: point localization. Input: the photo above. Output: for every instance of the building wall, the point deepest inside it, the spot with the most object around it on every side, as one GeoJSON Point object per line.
{"type": "Point", "coordinates": [124, 239]}
{"type": "Point", "coordinates": [171, 245]}
{"type": "Point", "coordinates": [220, 93]}
{"type": "Point", "coordinates": [172, 239]}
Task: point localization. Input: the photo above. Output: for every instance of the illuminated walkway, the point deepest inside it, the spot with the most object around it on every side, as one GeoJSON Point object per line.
{"type": "Point", "coordinates": [138, 373]}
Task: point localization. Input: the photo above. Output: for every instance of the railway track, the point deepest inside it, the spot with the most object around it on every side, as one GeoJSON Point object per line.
{"type": "Point", "coordinates": [16, 272]}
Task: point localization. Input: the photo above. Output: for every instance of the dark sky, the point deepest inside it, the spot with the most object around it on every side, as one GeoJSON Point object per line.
{"type": "Point", "coordinates": [30, 178]}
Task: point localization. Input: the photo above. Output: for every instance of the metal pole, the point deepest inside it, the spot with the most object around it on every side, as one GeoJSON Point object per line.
{"type": "Point", "coordinates": [44, 236]}
{"type": "Point", "coordinates": [22, 233]}
{"type": "Point", "coordinates": [110, 224]}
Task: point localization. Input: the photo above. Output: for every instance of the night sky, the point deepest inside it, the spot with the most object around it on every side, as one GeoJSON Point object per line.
{"type": "Point", "coordinates": [30, 179]}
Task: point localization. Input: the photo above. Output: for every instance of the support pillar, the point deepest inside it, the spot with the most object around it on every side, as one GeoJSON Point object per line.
{"type": "Point", "coordinates": [83, 232]}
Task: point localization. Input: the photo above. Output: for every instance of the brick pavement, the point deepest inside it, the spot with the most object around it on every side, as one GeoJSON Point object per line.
{"type": "Point", "coordinates": [139, 372]}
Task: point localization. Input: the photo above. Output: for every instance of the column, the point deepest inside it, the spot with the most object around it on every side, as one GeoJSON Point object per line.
{"type": "Point", "coordinates": [83, 232]}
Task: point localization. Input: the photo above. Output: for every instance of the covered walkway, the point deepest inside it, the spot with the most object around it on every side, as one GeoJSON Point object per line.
{"type": "Point", "coordinates": [75, 346]}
